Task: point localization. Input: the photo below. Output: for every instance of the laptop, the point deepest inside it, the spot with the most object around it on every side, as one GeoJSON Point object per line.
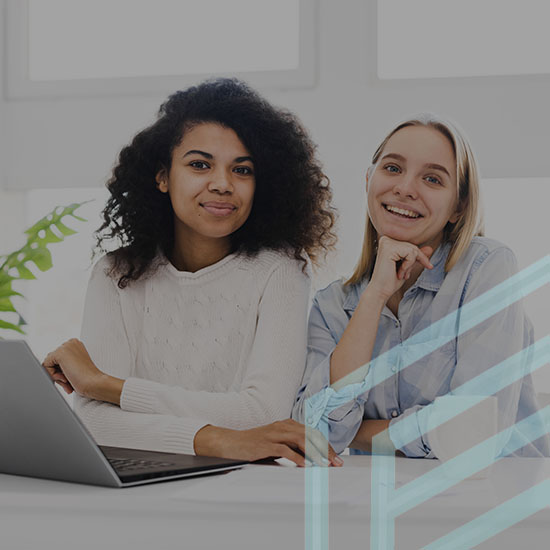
{"type": "Point", "coordinates": [41, 436]}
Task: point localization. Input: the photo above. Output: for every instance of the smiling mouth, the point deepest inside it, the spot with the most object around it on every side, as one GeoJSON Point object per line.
{"type": "Point", "coordinates": [219, 209]}
{"type": "Point", "coordinates": [401, 212]}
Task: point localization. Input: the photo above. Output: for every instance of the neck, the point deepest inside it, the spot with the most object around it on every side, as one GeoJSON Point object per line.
{"type": "Point", "coordinates": [193, 254]}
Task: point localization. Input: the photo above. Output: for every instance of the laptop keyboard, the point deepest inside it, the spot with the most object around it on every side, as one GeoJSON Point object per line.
{"type": "Point", "coordinates": [129, 464]}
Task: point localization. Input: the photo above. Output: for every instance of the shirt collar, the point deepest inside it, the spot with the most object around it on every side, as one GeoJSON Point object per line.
{"type": "Point", "coordinates": [430, 279]}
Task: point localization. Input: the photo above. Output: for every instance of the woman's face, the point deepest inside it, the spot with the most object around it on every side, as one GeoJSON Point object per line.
{"type": "Point", "coordinates": [412, 193]}
{"type": "Point", "coordinates": [210, 182]}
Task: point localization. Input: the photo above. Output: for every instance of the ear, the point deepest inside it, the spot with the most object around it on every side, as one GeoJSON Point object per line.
{"type": "Point", "coordinates": [458, 213]}
{"type": "Point", "coordinates": [162, 180]}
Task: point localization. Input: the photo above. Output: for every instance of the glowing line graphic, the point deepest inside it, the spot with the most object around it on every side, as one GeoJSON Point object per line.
{"type": "Point", "coordinates": [318, 406]}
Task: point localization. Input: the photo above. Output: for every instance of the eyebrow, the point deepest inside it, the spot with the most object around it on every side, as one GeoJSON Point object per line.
{"type": "Point", "coordinates": [433, 166]}
{"type": "Point", "coordinates": [197, 152]}
{"type": "Point", "coordinates": [438, 167]}
{"type": "Point", "coordinates": [210, 157]}
{"type": "Point", "coordinates": [244, 159]}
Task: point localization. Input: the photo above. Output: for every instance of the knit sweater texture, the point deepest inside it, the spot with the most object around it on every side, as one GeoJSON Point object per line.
{"type": "Point", "coordinates": [225, 346]}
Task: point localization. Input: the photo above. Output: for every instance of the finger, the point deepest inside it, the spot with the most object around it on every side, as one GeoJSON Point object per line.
{"type": "Point", "coordinates": [296, 438]}
{"type": "Point", "coordinates": [50, 370]}
{"type": "Point", "coordinates": [317, 447]}
{"type": "Point", "coordinates": [60, 377]}
{"type": "Point", "coordinates": [284, 451]}
{"type": "Point", "coordinates": [53, 372]}
{"type": "Point", "coordinates": [50, 360]}
{"type": "Point", "coordinates": [423, 256]}
{"type": "Point", "coordinates": [407, 262]}
{"type": "Point", "coordinates": [333, 457]}
{"type": "Point", "coordinates": [427, 250]}
{"type": "Point", "coordinates": [313, 454]}
{"type": "Point", "coordinates": [318, 441]}
{"type": "Point", "coordinates": [67, 388]}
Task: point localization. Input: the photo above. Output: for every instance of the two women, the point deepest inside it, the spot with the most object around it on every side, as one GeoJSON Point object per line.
{"type": "Point", "coordinates": [195, 325]}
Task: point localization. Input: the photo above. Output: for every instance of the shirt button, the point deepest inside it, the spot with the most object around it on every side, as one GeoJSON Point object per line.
{"type": "Point", "coordinates": [394, 414]}
{"type": "Point", "coordinates": [394, 368]}
{"type": "Point", "coordinates": [309, 420]}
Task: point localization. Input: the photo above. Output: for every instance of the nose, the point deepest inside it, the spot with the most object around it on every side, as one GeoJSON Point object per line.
{"type": "Point", "coordinates": [221, 182]}
{"type": "Point", "coordinates": [406, 186]}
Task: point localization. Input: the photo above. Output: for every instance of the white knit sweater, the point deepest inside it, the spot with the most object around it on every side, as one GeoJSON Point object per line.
{"type": "Point", "coordinates": [224, 346]}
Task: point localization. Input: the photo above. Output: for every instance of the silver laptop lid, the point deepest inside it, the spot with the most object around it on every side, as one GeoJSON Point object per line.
{"type": "Point", "coordinates": [40, 436]}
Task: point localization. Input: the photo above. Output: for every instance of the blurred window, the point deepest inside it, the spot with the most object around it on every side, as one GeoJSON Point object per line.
{"type": "Point", "coordinates": [446, 38]}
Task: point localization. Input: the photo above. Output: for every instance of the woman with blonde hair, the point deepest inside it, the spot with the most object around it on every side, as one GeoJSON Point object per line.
{"type": "Point", "coordinates": [388, 342]}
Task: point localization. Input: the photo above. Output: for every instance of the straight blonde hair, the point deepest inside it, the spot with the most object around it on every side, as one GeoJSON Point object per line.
{"type": "Point", "coordinates": [470, 223]}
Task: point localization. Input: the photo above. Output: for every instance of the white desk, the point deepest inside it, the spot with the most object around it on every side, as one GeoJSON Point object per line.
{"type": "Point", "coordinates": [39, 515]}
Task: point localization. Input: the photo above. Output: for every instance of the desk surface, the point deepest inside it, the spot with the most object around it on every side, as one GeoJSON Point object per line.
{"type": "Point", "coordinates": [37, 513]}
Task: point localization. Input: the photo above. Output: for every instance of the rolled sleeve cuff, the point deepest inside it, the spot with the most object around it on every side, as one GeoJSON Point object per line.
{"type": "Point", "coordinates": [139, 395]}
{"type": "Point", "coordinates": [336, 414]}
{"type": "Point", "coordinates": [319, 381]}
{"type": "Point", "coordinates": [406, 433]}
{"type": "Point", "coordinates": [179, 437]}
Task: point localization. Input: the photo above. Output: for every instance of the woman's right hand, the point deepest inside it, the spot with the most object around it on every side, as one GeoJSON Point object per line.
{"type": "Point", "coordinates": [285, 438]}
{"type": "Point", "coordinates": [394, 263]}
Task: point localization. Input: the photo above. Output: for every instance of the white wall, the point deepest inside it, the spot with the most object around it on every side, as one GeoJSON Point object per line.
{"type": "Point", "coordinates": [12, 220]}
{"type": "Point", "coordinates": [73, 142]}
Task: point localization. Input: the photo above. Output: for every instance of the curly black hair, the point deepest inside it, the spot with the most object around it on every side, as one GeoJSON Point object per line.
{"type": "Point", "coordinates": [291, 209]}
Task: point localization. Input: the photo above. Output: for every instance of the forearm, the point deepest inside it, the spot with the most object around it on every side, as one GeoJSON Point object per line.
{"type": "Point", "coordinates": [106, 388]}
{"type": "Point", "coordinates": [354, 350]}
{"type": "Point", "coordinates": [368, 429]}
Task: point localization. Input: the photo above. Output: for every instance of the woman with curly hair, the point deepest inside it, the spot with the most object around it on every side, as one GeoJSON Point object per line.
{"type": "Point", "coordinates": [194, 331]}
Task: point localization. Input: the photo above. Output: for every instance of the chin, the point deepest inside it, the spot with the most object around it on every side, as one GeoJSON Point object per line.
{"type": "Point", "coordinates": [399, 236]}
{"type": "Point", "coordinates": [219, 232]}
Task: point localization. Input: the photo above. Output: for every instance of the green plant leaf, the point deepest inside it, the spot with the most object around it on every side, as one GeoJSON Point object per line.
{"type": "Point", "coordinates": [11, 326]}
{"type": "Point", "coordinates": [64, 229]}
{"type": "Point", "coordinates": [6, 305]}
{"type": "Point", "coordinates": [35, 251]}
{"type": "Point", "coordinates": [11, 259]}
{"type": "Point", "coordinates": [24, 273]}
{"type": "Point", "coordinates": [40, 256]}
{"type": "Point", "coordinates": [41, 224]}
{"type": "Point", "coordinates": [49, 237]}
{"type": "Point", "coordinates": [6, 292]}
{"type": "Point", "coordinates": [53, 218]}
{"type": "Point", "coordinates": [5, 278]}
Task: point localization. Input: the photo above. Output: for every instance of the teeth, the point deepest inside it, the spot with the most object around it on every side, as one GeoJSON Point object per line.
{"type": "Point", "coordinates": [407, 213]}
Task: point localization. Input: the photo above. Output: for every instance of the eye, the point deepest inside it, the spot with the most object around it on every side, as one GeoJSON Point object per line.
{"type": "Point", "coordinates": [199, 164]}
{"type": "Point", "coordinates": [433, 179]}
{"type": "Point", "coordinates": [243, 170]}
{"type": "Point", "coordinates": [392, 168]}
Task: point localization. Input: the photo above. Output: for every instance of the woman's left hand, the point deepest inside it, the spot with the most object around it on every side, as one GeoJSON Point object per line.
{"type": "Point", "coordinates": [72, 368]}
